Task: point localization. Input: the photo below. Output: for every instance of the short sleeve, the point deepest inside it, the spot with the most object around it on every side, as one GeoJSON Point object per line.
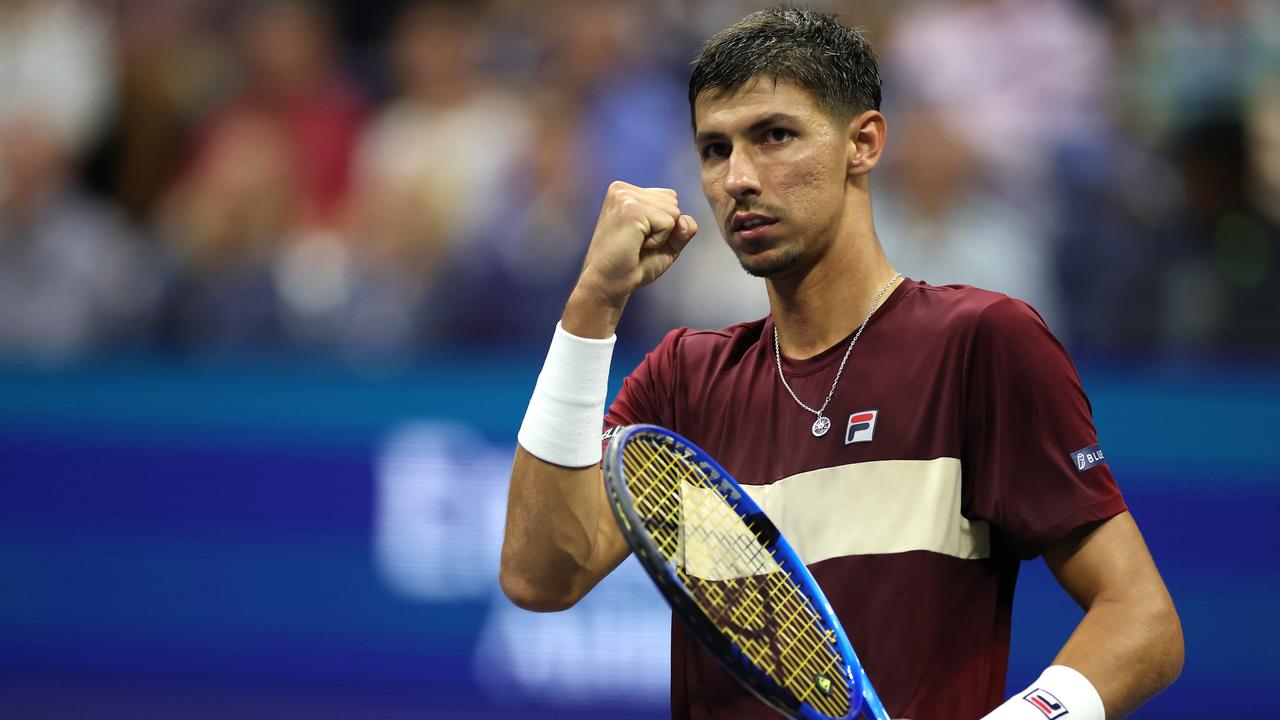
{"type": "Point", "coordinates": [645, 396]}
{"type": "Point", "coordinates": [1027, 421]}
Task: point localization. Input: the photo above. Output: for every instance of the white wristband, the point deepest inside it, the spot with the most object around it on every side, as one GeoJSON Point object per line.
{"type": "Point", "coordinates": [566, 413]}
{"type": "Point", "coordinates": [1057, 691]}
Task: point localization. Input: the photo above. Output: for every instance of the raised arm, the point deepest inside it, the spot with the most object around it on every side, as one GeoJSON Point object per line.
{"type": "Point", "coordinates": [560, 536]}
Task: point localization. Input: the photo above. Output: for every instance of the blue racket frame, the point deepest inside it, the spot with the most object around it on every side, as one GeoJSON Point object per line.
{"type": "Point", "coordinates": [862, 696]}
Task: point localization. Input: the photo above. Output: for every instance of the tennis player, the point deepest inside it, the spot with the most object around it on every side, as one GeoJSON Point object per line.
{"type": "Point", "coordinates": [916, 442]}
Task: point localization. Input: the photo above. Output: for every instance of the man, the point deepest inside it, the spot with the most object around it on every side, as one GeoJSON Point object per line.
{"type": "Point", "coordinates": [922, 439]}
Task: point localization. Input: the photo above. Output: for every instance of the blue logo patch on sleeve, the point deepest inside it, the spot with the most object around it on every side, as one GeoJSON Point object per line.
{"type": "Point", "coordinates": [1088, 457]}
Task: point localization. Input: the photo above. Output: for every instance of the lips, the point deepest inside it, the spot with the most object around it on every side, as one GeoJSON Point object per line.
{"type": "Point", "coordinates": [751, 227]}
{"type": "Point", "coordinates": [749, 221]}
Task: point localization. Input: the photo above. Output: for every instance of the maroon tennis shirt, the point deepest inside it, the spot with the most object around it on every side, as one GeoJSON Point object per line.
{"type": "Point", "coordinates": [961, 442]}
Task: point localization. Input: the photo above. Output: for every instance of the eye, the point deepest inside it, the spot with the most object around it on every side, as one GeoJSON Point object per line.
{"type": "Point", "coordinates": [715, 150]}
{"type": "Point", "coordinates": [778, 135]}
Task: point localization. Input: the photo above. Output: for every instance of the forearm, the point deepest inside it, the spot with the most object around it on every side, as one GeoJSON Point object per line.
{"type": "Point", "coordinates": [550, 554]}
{"type": "Point", "coordinates": [1129, 648]}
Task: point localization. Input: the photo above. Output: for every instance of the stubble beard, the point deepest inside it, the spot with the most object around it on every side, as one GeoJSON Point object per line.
{"type": "Point", "coordinates": [778, 265]}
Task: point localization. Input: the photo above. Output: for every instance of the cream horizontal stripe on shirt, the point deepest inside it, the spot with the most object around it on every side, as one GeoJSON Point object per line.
{"type": "Point", "coordinates": [869, 508]}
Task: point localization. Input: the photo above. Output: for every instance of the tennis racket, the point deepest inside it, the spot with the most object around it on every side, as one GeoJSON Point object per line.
{"type": "Point", "coordinates": [731, 577]}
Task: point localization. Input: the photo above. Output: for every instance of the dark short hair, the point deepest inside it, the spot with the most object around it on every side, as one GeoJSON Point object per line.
{"type": "Point", "coordinates": [832, 61]}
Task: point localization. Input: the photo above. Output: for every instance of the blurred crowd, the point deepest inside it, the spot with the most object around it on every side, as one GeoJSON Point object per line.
{"type": "Point", "coordinates": [383, 179]}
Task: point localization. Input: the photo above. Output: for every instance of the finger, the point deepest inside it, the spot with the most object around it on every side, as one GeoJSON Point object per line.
{"type": "Point", "coordinates": [664, 192]}
{"type": "Point", "coordinates": [670, 213]}
{"type": "Point", "coordinates": [662, 203]}
{"type": "Point", "coordinates": [661, 224]}
{"type": "Point", "coordinates": [658, 197]}
{"type": "Point", "coordinates": [684, 231]}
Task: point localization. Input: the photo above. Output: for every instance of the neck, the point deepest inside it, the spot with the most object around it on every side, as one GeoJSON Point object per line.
{"type": "Point", "coordinates": [820, 305]}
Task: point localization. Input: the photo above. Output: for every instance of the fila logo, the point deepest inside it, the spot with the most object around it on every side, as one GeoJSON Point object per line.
{"type": "Point", "coordinates": [1046, 703]}
{"type": "Point", "coordinates": [862, 426]}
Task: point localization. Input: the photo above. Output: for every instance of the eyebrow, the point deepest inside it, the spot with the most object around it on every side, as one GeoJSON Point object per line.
{"type": "Point", "coordinates": [766, 121]}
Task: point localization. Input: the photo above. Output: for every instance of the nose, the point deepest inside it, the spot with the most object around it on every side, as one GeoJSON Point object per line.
{"type": "Point", "coordinates": [743, 179]}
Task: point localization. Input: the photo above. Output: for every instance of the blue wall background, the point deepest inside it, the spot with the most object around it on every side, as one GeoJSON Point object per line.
{"type": "Point", "coordinates": [268, 540]}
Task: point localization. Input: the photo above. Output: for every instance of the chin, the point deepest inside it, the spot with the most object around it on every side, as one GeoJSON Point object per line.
{"type": "Point", "coordinates": [768, 265]}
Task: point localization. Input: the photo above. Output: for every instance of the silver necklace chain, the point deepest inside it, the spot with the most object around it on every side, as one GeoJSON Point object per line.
{"type": "Point", "coordinates": [823, 423]}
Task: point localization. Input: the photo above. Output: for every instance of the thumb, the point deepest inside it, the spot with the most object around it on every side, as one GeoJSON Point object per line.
{"type": "Point", "coordinates": [686, 227]}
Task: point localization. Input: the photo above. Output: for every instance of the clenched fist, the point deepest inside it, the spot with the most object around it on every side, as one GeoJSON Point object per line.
{"type": "Point", "coordinates": [640, 233]}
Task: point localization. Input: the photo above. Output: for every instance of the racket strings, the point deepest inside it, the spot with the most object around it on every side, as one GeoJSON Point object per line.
{"type": "Point", "coordinates": [732, 575]}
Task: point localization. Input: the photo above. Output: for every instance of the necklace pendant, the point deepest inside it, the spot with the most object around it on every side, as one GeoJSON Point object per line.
{"type": "Point", "coordinates": [821, 426]}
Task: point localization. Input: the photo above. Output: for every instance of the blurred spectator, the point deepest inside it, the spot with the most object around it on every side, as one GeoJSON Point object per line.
{"type": "Point", "coordinates": [1021, 78]}
{"type": "Point", "coordinates": [72, 274]}
{"type": "Point", "coordinates": [296, 81]}
{"type": "Point", "coordinates": [231, 217]}
{"type": "Point", "coordinates": [56, 62]}
{"type": "Point", "coordinates": [523, 263]}
{"type": "Point", "coordinates": [432, 171]}
{"type": "Point", "coordinates": [1248, 248]}
{"type": "Point", "coordinates": [1161, 240]}
{"type": "Point", "coordinates": [1194, 60]}
{"type": "Point", "coordinates": [940, 221]}
{"type": "Point", "coordinates": [1116, 242]}
{"type": "Point", "coordinates": [1262, 129]}
{"type": "Point", "coordinates": [439, 152]}
{"type": "Point", "coordinates": [634, 117]}
{"type": "Point", "coordinates": [1204, 81]}
{"type": "Point", "coordinates": [608, 109]}
{"type": "Point", "coordinates": [173, 68]}
{"type": "Point", "coordinates": [268, 178]}
{"type": "Point", "coordinates": [1228, 282]}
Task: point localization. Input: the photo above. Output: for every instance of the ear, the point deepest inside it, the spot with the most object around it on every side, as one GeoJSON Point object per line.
{"type": "Point", "coordinates": [866, 133]}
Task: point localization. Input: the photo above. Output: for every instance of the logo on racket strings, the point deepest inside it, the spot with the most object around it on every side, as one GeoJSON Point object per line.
{"type": "Point", "coordinates": [823, 683]}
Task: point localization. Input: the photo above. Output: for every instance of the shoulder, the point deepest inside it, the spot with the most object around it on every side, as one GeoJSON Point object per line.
{"type": "Point", "coordinates": [1000, 338]}
{"type": "Point", "coordinates": [691, 345]}
{"type": "Point", "coordinates": [971, 311]}
{"type": "Point", "coordinates": [691, 353]}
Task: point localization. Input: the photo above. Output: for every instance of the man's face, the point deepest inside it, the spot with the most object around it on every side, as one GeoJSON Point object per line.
{"type": "Point", "coordinates": [774, 169]}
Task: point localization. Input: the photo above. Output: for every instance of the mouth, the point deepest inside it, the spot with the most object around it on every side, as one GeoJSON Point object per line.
{"type": "Point", "coordinates": [751, 226]}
